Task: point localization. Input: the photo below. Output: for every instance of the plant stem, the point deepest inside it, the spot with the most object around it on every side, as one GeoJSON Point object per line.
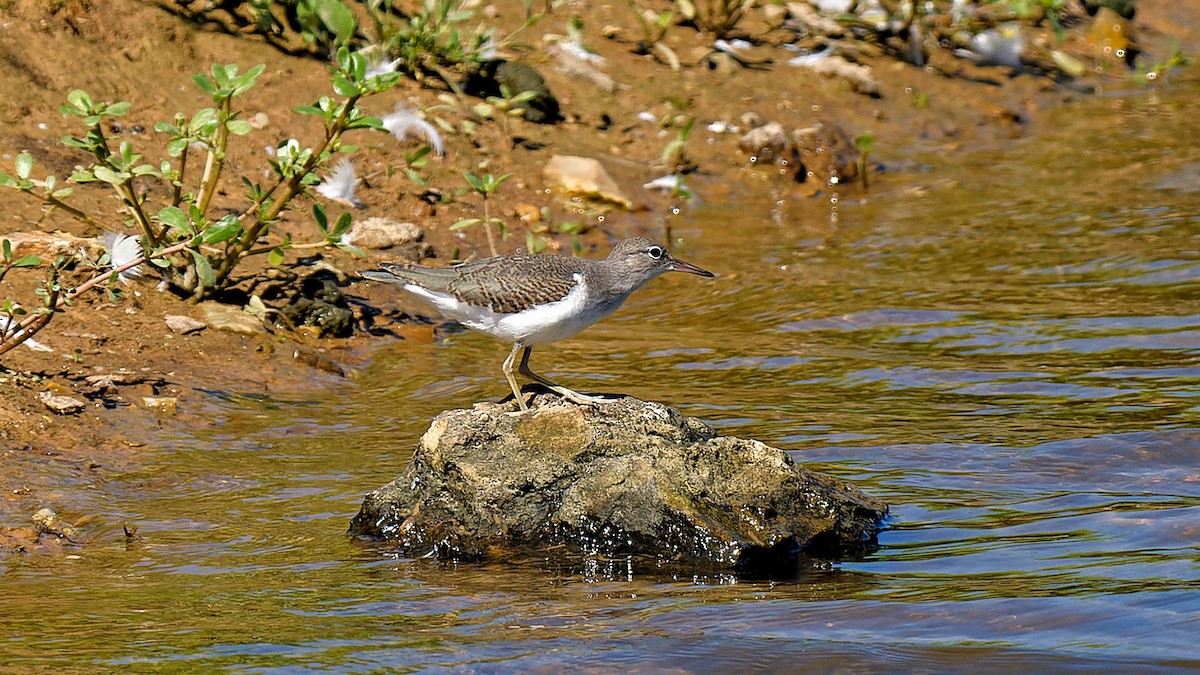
{"type": "Point", "coordinates": [54, 203]}
{"type": "Point", "coordinates": [216, 159]}
{"type": "Point", "coordinates": [125, 190]}
{"type": "Point", "coordinates": [290, 187]}
{"type": "Point", "coordinates": [487, 226]}
{"type": "Point", "coordinates": [33, 323]}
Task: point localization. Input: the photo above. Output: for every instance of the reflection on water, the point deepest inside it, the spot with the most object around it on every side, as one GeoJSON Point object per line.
{"type": "Point", "coordinates": [1008, 353]}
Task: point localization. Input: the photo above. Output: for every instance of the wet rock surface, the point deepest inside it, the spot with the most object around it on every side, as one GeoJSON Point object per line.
{"type": "Point", "coordinates": [321, 304]}
{"type": "Point", "coordinates": [627, 477]}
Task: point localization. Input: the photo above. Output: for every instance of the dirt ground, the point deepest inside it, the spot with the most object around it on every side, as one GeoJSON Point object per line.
{"type": "Point", "coordinates": [136, 51]}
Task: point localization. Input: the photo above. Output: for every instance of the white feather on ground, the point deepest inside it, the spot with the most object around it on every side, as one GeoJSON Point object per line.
{"type": "Point", "coordinates": [668, 183]}
{"type": "Point", "coordinates": [404, 122]}
{"type": "Point", "coordinates": [340, 184]}
{"type": "Point", "coordinates": [122, 250]}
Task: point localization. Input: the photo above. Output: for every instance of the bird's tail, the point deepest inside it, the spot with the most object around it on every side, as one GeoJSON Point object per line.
{"type": "Point", "coordinates": [384, 276]}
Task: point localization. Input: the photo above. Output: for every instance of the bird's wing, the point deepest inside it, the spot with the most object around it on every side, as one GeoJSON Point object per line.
{"type": "Point", "coordinates": [513, 283]}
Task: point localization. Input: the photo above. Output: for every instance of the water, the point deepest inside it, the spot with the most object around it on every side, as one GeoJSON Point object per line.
{"type": "Point", "coordinates": [1005, 346]}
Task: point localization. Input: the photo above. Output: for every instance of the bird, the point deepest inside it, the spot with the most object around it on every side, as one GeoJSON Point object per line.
{"type": "Point", "coordinates": [535, 300]}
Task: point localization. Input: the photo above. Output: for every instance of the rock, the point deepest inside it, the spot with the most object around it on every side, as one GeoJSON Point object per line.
{"type": "Point", "coordinates": [46, 521]}
{"type": "Point", "coordinates": [833, 65]}
{"type": "Point", "coordinates": [378, 233]}
{"type": "Point", "coordinates": [227, 317]}
{"type": "Point", "coordinates": [803, 17]}
{"type": "Point", "coordinates": [1111, 35]}
{"type": "Point", "coordinates": [61, 405]}
{"type": "Point", "coordinates": [765, 143]}
{"type": "Point", "coordinates": [49, 245]}
{"type": "Point", "coordinates": [585, 177]}
{"type": "Point", "coordinates": [184, 325]}
{"type": "Point", "coordinates": [163, 404]}
{"type": "Point", "coordinates": [627, 477]}
{"type": "Point", "coordinates": [528, 213]}
{"type": "Point", "coordinates": [822, 152]}
{"type": "Point", "coordinates": [322, 305]}
{"type": "Point", "coordinates": [494, 78]}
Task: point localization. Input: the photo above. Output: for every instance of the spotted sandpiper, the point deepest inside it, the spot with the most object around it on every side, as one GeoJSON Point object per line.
{"type": "Point", "coordinates": [531, 300]}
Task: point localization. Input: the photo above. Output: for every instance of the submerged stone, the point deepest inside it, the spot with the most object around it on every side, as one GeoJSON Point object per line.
{"type": "Point", "coordinates": [626, 477]}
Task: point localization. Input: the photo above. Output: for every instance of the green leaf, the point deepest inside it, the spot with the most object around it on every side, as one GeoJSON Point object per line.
{"type": "Point", "coordinates": [27, 261]}
{"type": "Point", "coordinates": [205, 83]}
{"type": "Point", "coordinates": [80, 100]}
{"type": "Point", "coordinates": [344, 87]}
{"type": "Point", "coordinates": [341, 226]}
{"type": "Point", "coordinates": [415, 177]}
{"type": "Point", "coordinates": [107, 175]}
{"type": "Point", "coordinates": [321, 218]}
{"type": "Point", "coordinates": [222, 73]}
{"type": "Point", "coordinates": [338, 18]}
{"type": "Point", "coordinates": [175, 218]}
{"type": "Point", "coordinates": [176, 146]}
{"type": "Point", "coordinates": [72, 142]}
{"type": "Point", "coordinates": [24, 165]}
{"type": "Point", "coordinates": [83, 176]}
{"type": "Point", "coordinates": [239, 127]}
{"type": "Point", "coordinates": [476, 183]}
{"type": "Point", "coordinates": [118, 109]}
{"type": "Point", "coordinates": [275, 257]}
{"type": "Point", "coordinates": [223, 230]}
{"type": "Point", "coordinates": [8, 182]}
{"type": "Point", "coordinates": [62, 193]}
{"type": "Point", "coordinates": [204, 270]}
{"type": "Point", "coordinates": [465, 223]}
{"type": "Point", "coordinates": [6, 246]}
{"type": "Point", "coordinates": [246, 82]}
{"type": "Point", "coordinates": [307, 110]}
{"type": "Point", "coordinates": [352, 250]}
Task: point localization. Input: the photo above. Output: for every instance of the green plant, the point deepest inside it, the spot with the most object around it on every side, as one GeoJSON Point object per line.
{"type": "Point", "coordinates": [865, 142]}
{"type": "Point", "coordinates": [17, 324]}
{"type": "Point", "coordinates": [434, 40]}
{"type": "Point", "coordinates": [674, 153]}
{"type": "Point", "coordinates": [1146, 74]}
{"type": "Point", "coordinates": [1036, 10]}
{"type": "Point", "coordinates": [654, 26]}
{"type": "Point", "coordinates": [654, 29]}
{"type": "Point", "coordinates": [194, 248]}
{"type": "Point", "coordinates": [484, 185]}
{"type": "Point", "coordinates": [508, 105]}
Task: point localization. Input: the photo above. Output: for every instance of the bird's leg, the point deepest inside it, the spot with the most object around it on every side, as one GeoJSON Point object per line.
{"type": "Point", "coordinates": [512, 379]}
{"type": "Point", "coordinates": [560, 390]}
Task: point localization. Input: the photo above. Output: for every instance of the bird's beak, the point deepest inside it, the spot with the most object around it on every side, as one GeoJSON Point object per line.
{"type": "Point", "coordinates": [680, 266]}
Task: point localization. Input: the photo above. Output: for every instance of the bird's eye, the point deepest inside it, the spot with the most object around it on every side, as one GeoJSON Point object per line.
{"type": "Point", "coordinates": [656, 252]}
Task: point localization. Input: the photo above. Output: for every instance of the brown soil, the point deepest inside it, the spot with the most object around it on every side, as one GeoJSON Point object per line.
{"type": "Point", "coordinates": [135, 51]}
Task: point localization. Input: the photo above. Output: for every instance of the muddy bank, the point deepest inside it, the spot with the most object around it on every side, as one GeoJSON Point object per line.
{"type": "Point", "coordinates": [146, 56]}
